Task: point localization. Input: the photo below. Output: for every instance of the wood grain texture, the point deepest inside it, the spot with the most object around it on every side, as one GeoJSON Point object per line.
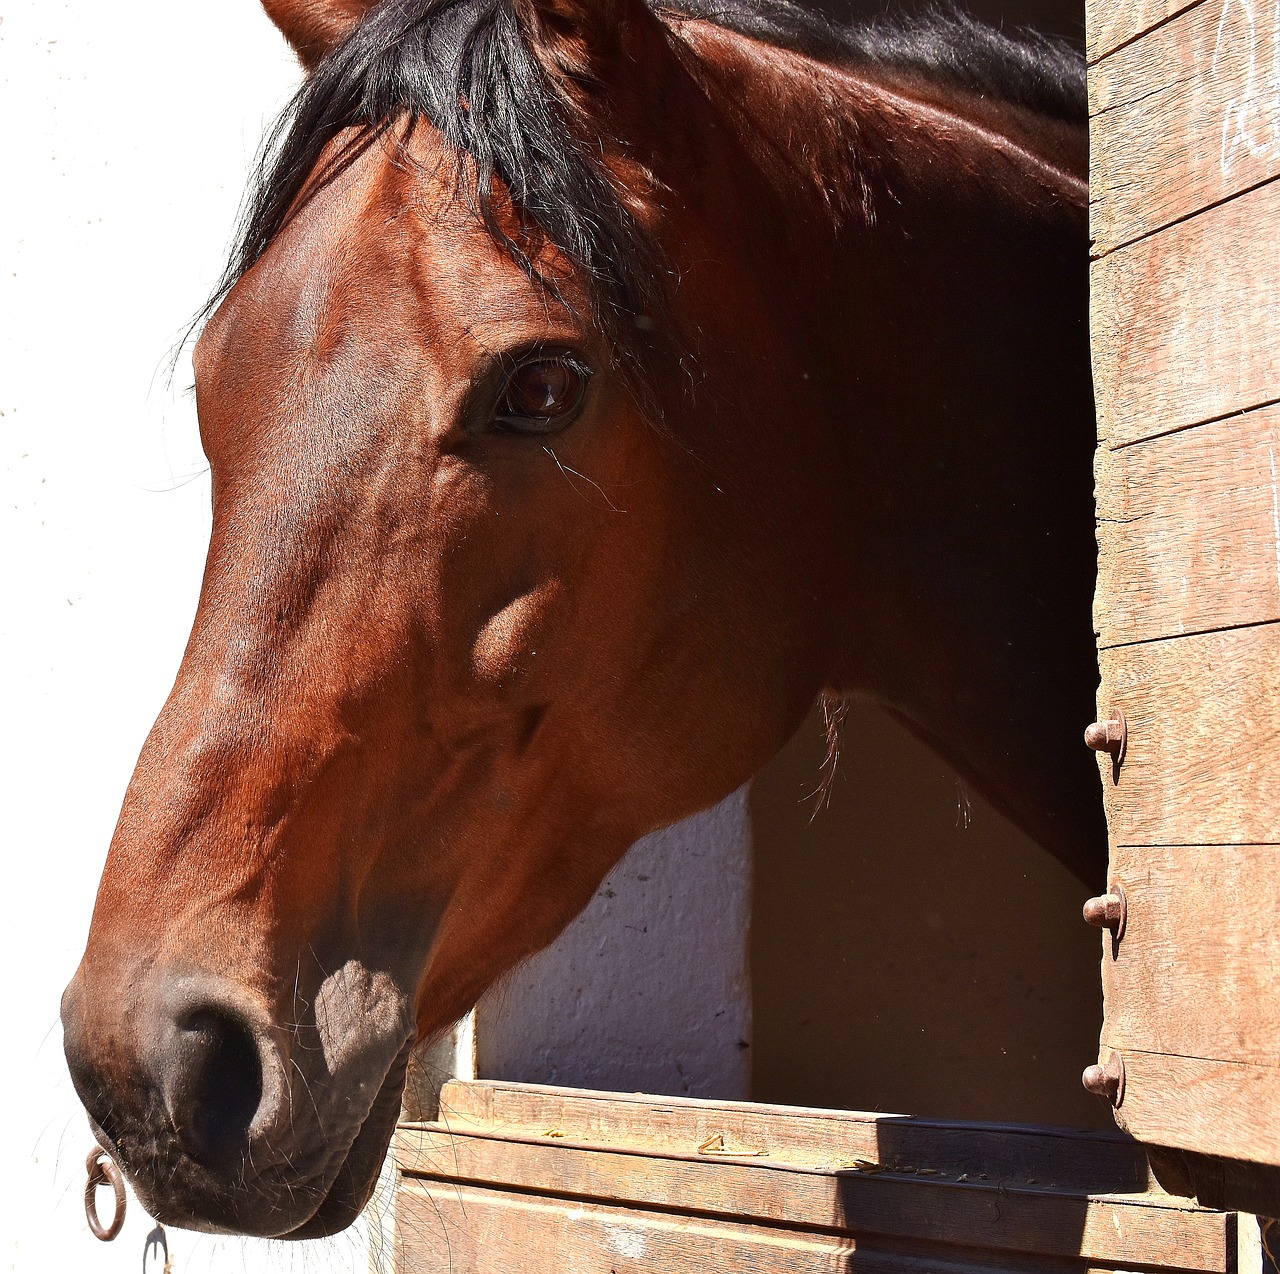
{"type": "Point", "coordinates": [1195, 973]}
{"type": "Point", "coordinates": [1203, 760]}
{"type": "Point", "coordinates": [1189, 531]}
{"type": "Point", "coordinates": [1108, 24]}
{"type": "Point", "coordinates": [464, 1230]}
{"type": "Point", "coordinates": [823, 1139]}
{"type": "Point", "coordinates": [473, 1230]}
{"type": "Point", "coordinates": [1185, 324]}
{"type": "Point", "coordinates": [1185, 117]}
{"type": "Point", "coordinates": [1108, 1230]}
{"type": "Point", "coordinates": [1216, 1107]}
{"type": "Point", "coordinates": [1232, 1184]}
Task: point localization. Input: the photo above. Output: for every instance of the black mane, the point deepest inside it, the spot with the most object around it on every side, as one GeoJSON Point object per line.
{"type": "Point", "coordinates": [941, 46]}
{"type": "Point", "coordinates": [464, 65]}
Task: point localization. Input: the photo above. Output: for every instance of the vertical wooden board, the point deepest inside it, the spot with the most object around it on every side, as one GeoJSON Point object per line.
{"type": "Point", "coordinates": [1186, 323]}
{"type": "Point", "coordinates": [1231, 1109]}
{"type": "Point", "coordinates": [1110, 23]}
{"type": "Point", "coordinates": [1183, 118]}
{"type": "Point", "coordinates": [1195, 972]}
{"type": "Point", "coordinates": [1189, 531]}
{"type": "Point", "coordinates": [1203, 758]}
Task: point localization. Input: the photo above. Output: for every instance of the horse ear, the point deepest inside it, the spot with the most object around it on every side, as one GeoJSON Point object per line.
{"type": "Point", "coordinates": [313, 27]}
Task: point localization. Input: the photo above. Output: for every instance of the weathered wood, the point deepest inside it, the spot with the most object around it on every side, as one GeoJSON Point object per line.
{"type": "Point", "coordinates": [1108, 1230]}
{"type": "Point", "coordinates": [1217, 1182]}
{"type": "Point", "coordinates": [1195, 973]}
{"type": "Point", "coordinates": [471, 1230]}
{"type": "Point", "coordinates": [1189, 531]}
{"type": "Point", "coordinates": [1185, 117]}
{"type": "Point", "coordinates": [1185, 326]}
{"type": "Point", "coordinates": [823, 1139]}
{"type": "Point", "coordinates": [1109, 25]}
{"type": "Point", "coordinates": [1203, 759]}
{"type": "Point", "coordinates": [464, 1230]}
{"type": "Point", "coordinates": [1193, 1103]}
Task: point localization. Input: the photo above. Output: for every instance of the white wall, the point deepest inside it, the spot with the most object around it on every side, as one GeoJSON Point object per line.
{"type": "Point", "coordinates": [649, 989]}
{"type": "Point", "coordinates": [127, 131]}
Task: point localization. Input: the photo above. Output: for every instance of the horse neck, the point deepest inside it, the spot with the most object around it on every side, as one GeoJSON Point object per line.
{"type": "Point", "coordinates": [941, 311]}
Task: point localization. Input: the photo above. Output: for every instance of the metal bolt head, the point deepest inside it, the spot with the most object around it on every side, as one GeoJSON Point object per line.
{"type": "Point", "coordinates": [1109, 911]}
{"type": "Point", "coordinates": [1106, 1081]}
{"type": "Point", "coordinates": [1109, 735]}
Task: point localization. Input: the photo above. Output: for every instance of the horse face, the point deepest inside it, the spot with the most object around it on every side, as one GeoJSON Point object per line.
{"type": "Point", "coordinates": [437, 682]}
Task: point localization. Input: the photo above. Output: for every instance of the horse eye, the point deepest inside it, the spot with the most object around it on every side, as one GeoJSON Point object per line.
{"type": "Point", "coordinates": [541, 395]}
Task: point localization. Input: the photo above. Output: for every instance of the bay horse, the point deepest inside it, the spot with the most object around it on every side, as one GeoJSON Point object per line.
{"type": "Point", "coordinates": [595, 386]}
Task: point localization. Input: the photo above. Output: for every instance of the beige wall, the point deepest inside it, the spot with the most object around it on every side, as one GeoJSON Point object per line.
{"type": "Point", "coordinates": [903, 961]}
{"type": "Point", "coordinates": [902, 958]}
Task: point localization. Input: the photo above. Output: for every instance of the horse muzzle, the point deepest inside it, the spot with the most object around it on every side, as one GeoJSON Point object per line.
{"type": "Point", "coordinates": [229, 1117]}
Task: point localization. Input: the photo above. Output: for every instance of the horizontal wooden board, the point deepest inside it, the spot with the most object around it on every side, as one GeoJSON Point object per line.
{"type": "Point", "coordinates": [1109, 25]}
{"type": "Point", "coordinates": [1192, 1103]}
{"type": "Point", "coordinates": [822, 1139]}
{"type": "Point", "coordinates": [1185, 117]}
{"type": "Point", "coordinates": [1197, 972]}
{"type": "Point", "coordinates": [1185, 324]}
{"type": "Point", "coordinates": [473, 1230]}
{"type": "Point", "coordinates": [1203, 759]}
{"type": "Point", "coordinates": [1217, 1182]}
{"type": "Point", "coordinates": [1189, 530]}
{"type": "Point", "coordinates": [1108, 1230]}
{"type": "Point", "coordinates": [464, 1230]}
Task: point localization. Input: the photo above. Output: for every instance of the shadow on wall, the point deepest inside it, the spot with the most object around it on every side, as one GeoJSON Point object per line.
{"type": "Point", "coordinates": [911, 950]}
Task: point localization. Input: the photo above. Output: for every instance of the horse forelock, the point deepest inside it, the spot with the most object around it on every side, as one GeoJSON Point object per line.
{"type": "Point", "coordinates": [466, 68]}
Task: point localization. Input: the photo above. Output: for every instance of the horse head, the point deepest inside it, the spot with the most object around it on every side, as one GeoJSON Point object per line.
{"type": "Point", "coordinates": [493, 529]}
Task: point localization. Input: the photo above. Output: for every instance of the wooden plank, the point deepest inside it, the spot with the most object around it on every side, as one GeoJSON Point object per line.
{"type": "Point", "coordinates": [471, 1230]}
{"type": "Point", "coordinates": [823, 1139]}
{"type": "Point", "coordinates": [464, 1230]}
{"type": "Point", "coordinates": [1109, 24]}
{"type": "Point", "coordinates": [1211, 1107]}
{"type": "Point", "coordinates": [1185, 117]}
{"type": "Point", "coordinates": [1203, 759]}
{"type": "Point", "coordinates": [1195, 973]}
{"type": "Point", "coordinates": [1216, 1182]}
{"type": "Point", "coordinates": [1185, 323]}
{"type": "Point", "coordinates": [1189, 531]}
{"type": "Point", "coordinates": [1109, 1230]}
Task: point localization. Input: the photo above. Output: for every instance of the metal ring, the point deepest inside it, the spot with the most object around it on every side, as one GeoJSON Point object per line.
{"type": "Point", "coordinates": [102, 1171]}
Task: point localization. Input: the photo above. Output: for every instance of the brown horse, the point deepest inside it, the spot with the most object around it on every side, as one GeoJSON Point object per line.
{"type": "Point", "coordinates": [596, 385]}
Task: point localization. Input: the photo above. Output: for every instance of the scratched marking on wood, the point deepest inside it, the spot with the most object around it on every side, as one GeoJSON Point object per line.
{"type": "Point", "coordinates": [1251, 119]}
{"type": "Point", "coordinates": [1186, 117]}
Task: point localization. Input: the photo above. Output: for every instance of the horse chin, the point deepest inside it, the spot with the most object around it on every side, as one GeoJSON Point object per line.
{"type": "Point", "coordinates": [357, 1178]}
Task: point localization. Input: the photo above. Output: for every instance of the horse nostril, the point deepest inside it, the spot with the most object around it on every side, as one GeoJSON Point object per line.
{"type": "Point", "coordinates": [212, 1086]}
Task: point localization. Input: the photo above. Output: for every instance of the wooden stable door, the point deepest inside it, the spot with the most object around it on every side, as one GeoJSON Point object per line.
{"type": "Point", "coordinates": [1185, 138]}
{"type": "Point", "coordinates": [519, 1178]}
